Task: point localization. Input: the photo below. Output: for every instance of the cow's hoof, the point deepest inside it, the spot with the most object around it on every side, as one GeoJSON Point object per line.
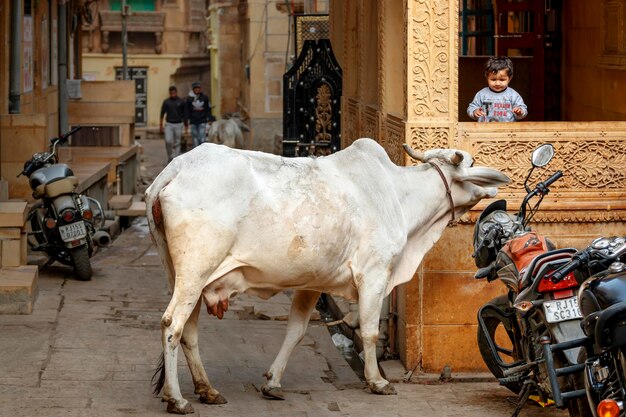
{"type": "Point", "coordinates": [387, 389]}
{"type": "Point", "coordinates": [180, 407]}
{"type": "Point", "coordinates": [209, 398]}
{"type": "Point", "coordinates": [274, 393]}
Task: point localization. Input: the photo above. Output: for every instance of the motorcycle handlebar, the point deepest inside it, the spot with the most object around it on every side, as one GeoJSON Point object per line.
{"type": "Point", "coordinates": [63, 138]}
{"type": "Point", "coordinates": [553, 178]}
{"type": "Point", "coordinates": [490, 236]}
{"type": "Point", "coordinates": [576, 262]}
{"type": "Point", "coordinates": [585, 257]}
{"type": "Point", "coordinates": [542, 187]}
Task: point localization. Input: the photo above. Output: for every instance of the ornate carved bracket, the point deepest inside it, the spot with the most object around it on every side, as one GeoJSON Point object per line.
{"type": "Point", "coordinates": [153, 22]}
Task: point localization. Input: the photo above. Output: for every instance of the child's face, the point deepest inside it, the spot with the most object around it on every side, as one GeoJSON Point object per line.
{"type": "Point", "coordinates": [498, 81]}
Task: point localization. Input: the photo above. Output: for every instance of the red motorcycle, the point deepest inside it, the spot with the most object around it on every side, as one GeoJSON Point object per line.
{"type": "Point", "coordinates": [513, 327]}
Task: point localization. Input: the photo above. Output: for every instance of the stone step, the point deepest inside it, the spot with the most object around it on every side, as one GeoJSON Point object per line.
{"type": "Point", "coordinates": [138, 208]}
{"type": "Point", "coordinates": [18, 289]}
{"type": "Point", "coordinates": [120, 202]}
{"type": "Point", "coordinates": [13, 213]}
{"type": "Point", "coordinates": [13, 251]}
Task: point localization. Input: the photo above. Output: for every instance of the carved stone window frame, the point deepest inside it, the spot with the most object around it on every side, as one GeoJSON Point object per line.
{"type": "Point", "coordinates": [614, 37]}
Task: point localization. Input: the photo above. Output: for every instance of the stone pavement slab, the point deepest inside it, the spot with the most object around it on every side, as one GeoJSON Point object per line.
{"type": "Point", "coordinates": [90, 348]}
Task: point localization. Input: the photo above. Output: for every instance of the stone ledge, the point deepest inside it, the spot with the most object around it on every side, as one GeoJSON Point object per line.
{"type": "Point", "coordinates": [13, 213]}
{"type": "Point", "coordinates": [18, 289]}
{"type": "Point", "coordinates": [120, 202]}
{"type": "Point", "coordinates": [138, 208]}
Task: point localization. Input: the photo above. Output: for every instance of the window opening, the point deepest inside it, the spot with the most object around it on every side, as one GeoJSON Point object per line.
{"type": "Point", "coordinates": [136, 5]}
{"type": "Point", "coordinates": [476, 21]}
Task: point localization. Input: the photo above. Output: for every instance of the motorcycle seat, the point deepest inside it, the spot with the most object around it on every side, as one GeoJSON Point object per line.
{"type": "Point", "coordinates": [56, 188]}
{"type": "Point", "coordinates": [533, 268]}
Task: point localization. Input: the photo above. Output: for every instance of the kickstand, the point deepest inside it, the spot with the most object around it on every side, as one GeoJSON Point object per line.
{"type": "Point", "coordinates": [47, 264]}
{"type": "Point", "coordinates": [523, 398]}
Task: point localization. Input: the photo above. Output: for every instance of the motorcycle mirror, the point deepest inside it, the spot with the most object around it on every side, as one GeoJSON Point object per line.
{"type": "Point", "coordinates": [542, 155]}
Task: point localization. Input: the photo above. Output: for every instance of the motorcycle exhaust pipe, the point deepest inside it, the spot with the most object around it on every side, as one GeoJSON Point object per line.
{"type": "Point", "coordinates": [101, 238]}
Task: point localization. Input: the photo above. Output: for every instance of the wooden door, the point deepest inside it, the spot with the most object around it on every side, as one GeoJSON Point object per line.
{"type": "Point", "coordinates": [520, 33]}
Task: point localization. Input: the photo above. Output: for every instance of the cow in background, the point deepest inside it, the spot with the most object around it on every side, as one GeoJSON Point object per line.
{"type": "Point", "coordinates": [228, 131]}
{"type": "Point", "coordinates": [351, 224]}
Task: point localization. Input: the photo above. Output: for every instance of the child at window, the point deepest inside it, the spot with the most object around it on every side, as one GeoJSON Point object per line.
{"type": "Point", "coordinates": [498, 102]}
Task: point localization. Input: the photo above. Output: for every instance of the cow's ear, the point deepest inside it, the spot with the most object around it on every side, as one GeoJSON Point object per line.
{"type": "Point", "coordinates": [486, 177]}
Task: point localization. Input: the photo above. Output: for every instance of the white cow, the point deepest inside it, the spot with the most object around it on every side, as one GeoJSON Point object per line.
{"type": "Point", "coordinates": [352, 224]}
{"type": "Point", "coordinates": [228, 131]}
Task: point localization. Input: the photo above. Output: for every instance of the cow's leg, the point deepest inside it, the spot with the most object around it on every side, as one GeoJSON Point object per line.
{"type": "Point", "coordinates": [370, 303]}
{"type": "Point", "coordinates": [189, 343]}
{"type": "Point", "coordinates": [183, 302]}
{"type": "Point", "coordinates": [301, 308]}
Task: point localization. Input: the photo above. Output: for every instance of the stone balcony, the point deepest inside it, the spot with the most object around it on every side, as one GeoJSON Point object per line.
{"type": "Point", "coordinates": [153, 22]}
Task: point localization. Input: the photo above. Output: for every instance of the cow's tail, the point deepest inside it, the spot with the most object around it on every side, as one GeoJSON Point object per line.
{"type": "Point", "coordinates": [158, 378]}
{"type": "Point", "coordinates": [156, 220]}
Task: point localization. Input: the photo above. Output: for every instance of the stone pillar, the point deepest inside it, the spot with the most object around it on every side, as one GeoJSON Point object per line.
{"type": "Point", "coordinates": [432, 73]}
{"type": "Point", "coordinates": [431, 120]}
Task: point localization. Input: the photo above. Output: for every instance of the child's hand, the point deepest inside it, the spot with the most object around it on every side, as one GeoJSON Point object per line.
{"type": "Point", "coordinates": [518, 111]}
{"type": "Point", "coordinates": [479, 113]}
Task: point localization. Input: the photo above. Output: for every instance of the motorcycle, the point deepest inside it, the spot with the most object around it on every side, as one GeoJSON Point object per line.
{"type": "Point", "coordinates": [513, 327]}
{"type": "Point", "coordinates": [602, 300]}
{"type": "Point", "coordinates": [63, 224]}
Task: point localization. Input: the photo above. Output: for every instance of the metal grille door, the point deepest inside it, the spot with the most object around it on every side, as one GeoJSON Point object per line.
{"type": "Point", "coordinates": [312, 102]}
{"type": "Point", "coordinates": [140, 75]}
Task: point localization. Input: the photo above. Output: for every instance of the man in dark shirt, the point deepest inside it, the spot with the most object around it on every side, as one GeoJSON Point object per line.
{"type": "Point", "coordinates": [173, 109]}
{"type": "Point", "coordinates": [198, 113]}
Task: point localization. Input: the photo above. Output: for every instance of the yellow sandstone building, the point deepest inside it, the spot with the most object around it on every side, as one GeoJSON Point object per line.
{"type": "Point", "coordinates": [412, 84]}
{"type": "Point", "coordinates": [410, 68]}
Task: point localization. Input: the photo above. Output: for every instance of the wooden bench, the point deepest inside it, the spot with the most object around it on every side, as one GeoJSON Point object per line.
{"type": "Point", "coordinates": [122, 158]}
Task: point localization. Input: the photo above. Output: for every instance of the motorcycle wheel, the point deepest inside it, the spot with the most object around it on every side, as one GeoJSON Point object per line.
{"type": "Point", "coordinates": [82, 265]}
{"type": "Point", "coordinates": [495, 325]}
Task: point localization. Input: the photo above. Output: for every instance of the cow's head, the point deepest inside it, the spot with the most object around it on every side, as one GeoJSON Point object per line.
{"type": "Point", "coordinates": [468, 184]}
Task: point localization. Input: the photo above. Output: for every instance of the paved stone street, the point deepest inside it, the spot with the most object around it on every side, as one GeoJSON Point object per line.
{"type": "Point", "coordinates": [89, 349]}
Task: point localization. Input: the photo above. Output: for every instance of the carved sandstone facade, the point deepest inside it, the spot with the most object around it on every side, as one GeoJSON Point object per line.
{"type": "Point", "coordinates": [403, 88]}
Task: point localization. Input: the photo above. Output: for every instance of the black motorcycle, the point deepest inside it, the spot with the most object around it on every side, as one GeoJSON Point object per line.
{"type": "Point", "coordinates": [602, 300]}
{"type": "Point", "coordinates": [512, 326]}
{"type": "Point", "coordinates": [63, 224]}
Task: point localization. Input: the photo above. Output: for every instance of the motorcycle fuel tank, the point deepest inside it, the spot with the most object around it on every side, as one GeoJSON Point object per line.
{"type": "Point", "coordinates": [49, 174]}
{"type": "Point", "coordinates": [602, 291]}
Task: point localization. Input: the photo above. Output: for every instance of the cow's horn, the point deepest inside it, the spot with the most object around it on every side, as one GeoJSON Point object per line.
{"type": "Point", "coordinates": [418, 156]}
{"type": "Point", "coordinates": [457, 158]}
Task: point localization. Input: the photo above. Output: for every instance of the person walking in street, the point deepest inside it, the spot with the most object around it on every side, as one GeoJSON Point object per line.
{"type": "Point", "coordinates": [198, 113]}
{"type": "Point", "coordinates": [173, 109]}
{"type": "Point", "coordinates": [498, 102]}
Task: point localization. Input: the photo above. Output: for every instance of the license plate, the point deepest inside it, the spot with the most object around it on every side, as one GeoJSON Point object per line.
{"type": "Point", "coordinates": [73, 231]}
{"type": "Point", "coordinates": [561, 310]}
